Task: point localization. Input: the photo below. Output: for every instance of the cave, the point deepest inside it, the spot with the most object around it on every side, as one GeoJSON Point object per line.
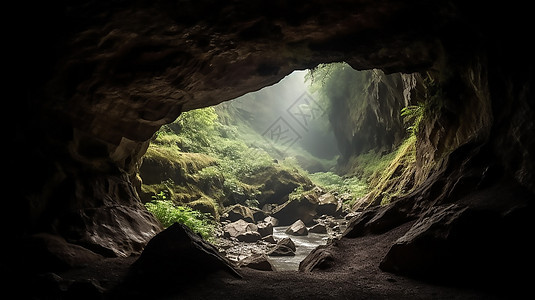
{"type": "Point", "coordinates": [95, 81]}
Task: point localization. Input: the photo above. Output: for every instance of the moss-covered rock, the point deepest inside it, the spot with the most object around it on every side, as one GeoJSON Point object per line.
{"type": "Point", "coordinates": [205, 205]}
{"type": "Point", "coordinates": [161, 163]}
{"type": "Point", "coordinates": [275, 183]}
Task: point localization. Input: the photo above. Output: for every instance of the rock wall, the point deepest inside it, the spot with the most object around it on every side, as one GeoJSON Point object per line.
{"type": "Point", "coordinates": [470, 195]}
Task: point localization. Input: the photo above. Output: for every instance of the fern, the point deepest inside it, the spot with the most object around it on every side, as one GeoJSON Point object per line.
{"type": "Point", "coordinates": [413, 115]}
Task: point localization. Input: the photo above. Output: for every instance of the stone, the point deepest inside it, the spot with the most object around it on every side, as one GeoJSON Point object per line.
{"type": "Point", "coordinates": [462, 243]}
{"type": "Point", "coordinates": [284, 247]}
{"type": "Point", "coordinates": [276, 183]}
{"type": "Point", "coordinates": [265, 228]}
{"type": "Point", "coordinates": [297, 228]}
{"type": "Point", "coordinates": [272, 220]}
{"type": "Point", "coordinates": [329, 205]}
{"type": "Point", "coordinates": [239, 212]}
{"type": "Point", "coordinates": [258, 214]}
{"type": "Point", "coordinates": [174, 252]}
{"type": "Point", "coordinates": [351, 215]}
{"type": "Point", "coordinates": [301, 208]}
{"type": "Point", "coordinates": [319, 258]}
{"type": "Point", "coordinates": [55, 253]}
{"type": "Point", "coordinates": [249, 237]}
{"type": "Point", "coordinates": [234, 229]}
{"type": "Point", "coordinates": [318, 228]}
{"type": "Point", "coordinates": [258, 262]}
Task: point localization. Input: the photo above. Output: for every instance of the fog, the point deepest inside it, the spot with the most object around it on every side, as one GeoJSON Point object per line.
{"type": "Point", "coordinates": [288, 117]}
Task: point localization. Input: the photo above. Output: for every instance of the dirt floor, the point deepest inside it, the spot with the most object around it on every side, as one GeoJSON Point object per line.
{"type": "Point", "coordinates": [354, 275]}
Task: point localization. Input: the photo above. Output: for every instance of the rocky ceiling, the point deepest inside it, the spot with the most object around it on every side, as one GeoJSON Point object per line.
{"type": "Point", "coordinates": [98, 79]}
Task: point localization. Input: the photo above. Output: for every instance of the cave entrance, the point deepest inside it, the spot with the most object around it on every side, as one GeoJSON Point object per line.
{"type": "Point", "coordinates": [272, 172]}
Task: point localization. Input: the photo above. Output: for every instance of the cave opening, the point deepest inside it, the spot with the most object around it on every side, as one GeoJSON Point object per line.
{"type": "Point", "coordinates": [265, 168]}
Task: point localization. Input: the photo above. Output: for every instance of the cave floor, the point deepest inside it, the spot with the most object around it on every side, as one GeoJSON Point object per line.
{"type": "Point", "coordinates": [358, 277]}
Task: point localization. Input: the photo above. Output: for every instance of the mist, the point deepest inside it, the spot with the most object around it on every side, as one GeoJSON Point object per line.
{"type": "Point", "coordinates": [287, 116]}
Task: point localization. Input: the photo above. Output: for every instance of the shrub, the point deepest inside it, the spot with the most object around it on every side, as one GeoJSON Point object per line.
{"type": "Point", "coordinates": [168, 214]}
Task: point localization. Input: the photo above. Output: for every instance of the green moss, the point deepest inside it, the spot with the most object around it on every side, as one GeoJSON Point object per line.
{"type": "Point", "coordinates": [398, 178]}
{"type": "Point", "coordinates": [334, 183]}
{"type": "Point", "coordinates": [205, 205]}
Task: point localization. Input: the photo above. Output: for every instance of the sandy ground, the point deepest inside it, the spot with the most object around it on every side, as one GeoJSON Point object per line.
{"type": "Point", "coordinates": [355, 275]}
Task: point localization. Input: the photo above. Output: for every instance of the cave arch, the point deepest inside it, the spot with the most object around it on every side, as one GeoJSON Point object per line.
{"type": "Point", "coordinates": [104, 83]}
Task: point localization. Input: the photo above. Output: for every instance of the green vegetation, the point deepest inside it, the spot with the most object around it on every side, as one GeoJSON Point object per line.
{"type": "Point", "coordinates": [168, 214]}
{"type": "Point", "coordinates": [413, 115]}
{"type": "Point", "coordinates": [214, 157]}
{"type": "Point", "coordinates": [201, 163]}
{"type": "Point", "coordinates": [335, 183]}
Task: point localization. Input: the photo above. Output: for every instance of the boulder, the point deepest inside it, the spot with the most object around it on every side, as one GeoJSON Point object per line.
{"type": "Point", "coordinates": [319, 258]}
{"type": "Point", "coordinates": [297, 228]}
{"type": "Point", "coordinates": [284, 247]}
{"type": "Point", "coordinates": [238, 212]}
{"type": "Point", "coordinates": [258, 262]}
{"type": "Point", "coordinates": [460, 243]}
{"type": "Point", "coordinates": [318, 228]}
{"type": "Point", "coordinates": [55, 253]}
{"type": "Point", "coordinates": [265, 229]}
{"type": "Point", "coordinates": [275, 183]}
{"type": "Point", "coordinates": [272, 220]}
{"type": "Point", "coordinates": [258, 214]}
{"type": "Point", "coordinates": [249, 236]}
{"type": "Point", "coordinates": [237, 228]}
{"type": "Point", "coordinates": [301, 208]}
{"type": "Point", "coordinates": [329, 205]}
{"type": "Point", "coordinates": [173, 253]}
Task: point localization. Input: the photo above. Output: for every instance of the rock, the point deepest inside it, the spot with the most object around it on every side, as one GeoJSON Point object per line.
{"type": "Point", "coordinates": [239, 212]}
{"type": "Point", "coordinates": [318, 228]}
{"type": "Point", "coordinates": [174, 252]}
{"type": "Point", "coordinates": [464, 244]}
{"type": "Point", "coordinates": [237, 228]}
{"type": "Point", "coordinates": [297, 228]}
{"type": "Point", "coordinates": [275, 183]}
{"type": "Point", "coordinates": [329, 205]}
{"type": "Point", "coordinates": [284, 247]}
{"type": "Point", "coordinates": [352, 215]}
{"type": "Point", "coordinates": [249, 236]}
{"type": "Point", "coordinates": [55, 253]}
{"type": "Point", "coordinates": [272, 220]}
{"type": "Point", "coordinates": [205, 205]}
{"type": "Point", "coordinates": [258, 214]}
{"type": "Point", "coordinates": [265, 229]}
{"type": "Point", "coordinates": [269, 239]}
{"type": "Point", "coordinates": [258, 262]}
{"type": "Point", "coordinates": [303, 208]}
{"type": "Point", "coordinates": [320, 258]}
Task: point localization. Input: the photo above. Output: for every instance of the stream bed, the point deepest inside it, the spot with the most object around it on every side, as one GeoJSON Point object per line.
{"type": "Point", "coordinates": [303, 246]}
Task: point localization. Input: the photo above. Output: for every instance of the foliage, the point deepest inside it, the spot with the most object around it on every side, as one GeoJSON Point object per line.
{"type": "Point", "coordinates": [191, 131]}
{"type": "Point", "coordinates": [335, 183]}
{"type": "Point", "coordinates": [168, 214]}
{"type": "Point", "coordinates": [413, 115]}
{"type": "Point", "coordinates": [211, 157]}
